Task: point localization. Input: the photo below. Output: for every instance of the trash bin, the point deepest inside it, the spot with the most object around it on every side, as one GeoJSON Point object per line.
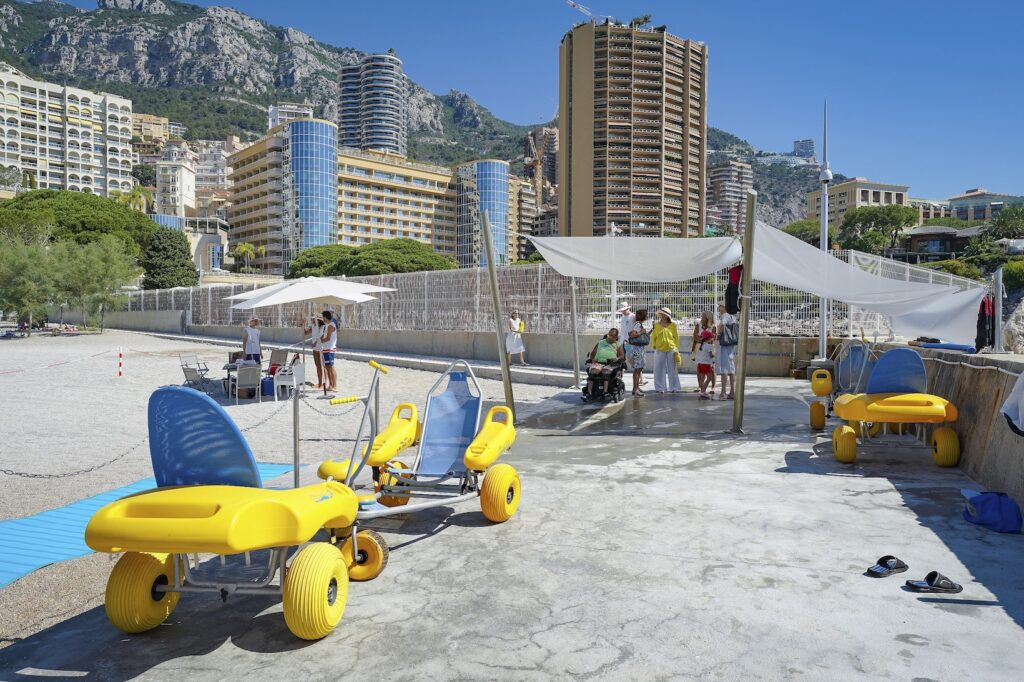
{"type": "Point", "coordinates": [267, 386]}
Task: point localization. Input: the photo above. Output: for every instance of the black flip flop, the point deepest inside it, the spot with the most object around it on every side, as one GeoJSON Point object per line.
{"type": "Point", "coordinates": [886, 566]}
{"type": "Point", "coordinates": [934, 582]}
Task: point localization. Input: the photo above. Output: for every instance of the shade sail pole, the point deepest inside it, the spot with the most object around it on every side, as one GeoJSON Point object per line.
{"type": "Point", "coordinates": [741, 369]}
{"type": "Point", "coordinates": [825, 177]}
{"type": "Point", "coordinates": [575, 332]}
{"type": "Point", "coordinates": [492, 273]}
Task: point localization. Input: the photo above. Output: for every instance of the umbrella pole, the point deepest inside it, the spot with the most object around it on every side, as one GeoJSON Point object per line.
{"type": "Point", "coordinates": [575, 332]}
{"type": "Point", "coordinates": [745, 312]}
{"type": "Point", "coordinates": [506, 373]}
{"type": "Point", "coordinates": [295, 406]}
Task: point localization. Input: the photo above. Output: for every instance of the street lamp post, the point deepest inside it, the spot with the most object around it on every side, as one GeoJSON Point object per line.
{"type": "Point", "coordinates": [825, 177]}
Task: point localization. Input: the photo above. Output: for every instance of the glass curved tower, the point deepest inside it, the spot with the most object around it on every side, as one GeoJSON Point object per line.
{"type": "Point", "coordinates": [374, 104]}
{"type": "Point", "coordinates": [481, 186]}
{"type": "Point", "coordinates": [312, 218]}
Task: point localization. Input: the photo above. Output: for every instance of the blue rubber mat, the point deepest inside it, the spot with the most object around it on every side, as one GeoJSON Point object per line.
{"type": "Point", "coordinates": [29, 543]}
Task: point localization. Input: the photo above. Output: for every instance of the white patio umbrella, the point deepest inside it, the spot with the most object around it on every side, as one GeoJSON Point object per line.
{"type": "Point", "coordinates": [273, 288]}
{"type": "Point", "coordinates": [310, 290]}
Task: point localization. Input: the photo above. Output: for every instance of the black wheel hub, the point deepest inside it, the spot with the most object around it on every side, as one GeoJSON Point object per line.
{"type": "Point", "coordinates": [510, 495]}
{"type": "Point", "coordinates": [332, 592]}
{"type": "Point", "coordinates": [161, 581]}
{"type": "Point", "coordinates": [361, 556]}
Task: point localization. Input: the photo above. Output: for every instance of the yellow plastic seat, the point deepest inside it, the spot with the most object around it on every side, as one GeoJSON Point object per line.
{"type": "Point", "coordinates": [492, 440]}
{"type": "Point", "coordinates": [399, 434]}
{"type": "Point", "coordinates": [895, 408]}
{"type": "Point", "coordinates": [219, 519]}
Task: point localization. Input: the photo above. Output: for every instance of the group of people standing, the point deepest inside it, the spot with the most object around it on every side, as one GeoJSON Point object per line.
{"type": "Point", "coordinates": [712, 347]}
{"type": "Point", "coordinates": [324, 333]}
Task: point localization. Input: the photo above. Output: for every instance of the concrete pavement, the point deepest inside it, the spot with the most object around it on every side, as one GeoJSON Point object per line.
{"type": "Point", "coordinates": [649, 545]}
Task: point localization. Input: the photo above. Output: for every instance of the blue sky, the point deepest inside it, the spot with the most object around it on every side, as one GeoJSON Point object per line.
{"type": "Point", "coordinates": [921, 92]}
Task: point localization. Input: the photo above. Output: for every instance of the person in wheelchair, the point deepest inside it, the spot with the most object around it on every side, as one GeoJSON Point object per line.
{"type": "Point", "coordinates": [604, 367]}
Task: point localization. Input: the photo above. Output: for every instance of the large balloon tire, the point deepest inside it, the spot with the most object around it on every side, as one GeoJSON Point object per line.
{"type": "Point", "coordinates": [844, 444]}
{"type": "Point", "coordinates": [372, 555]}
{"type": "Point", "coordinates": [500, 492]}
{"type": "Point", "coordinates": [390, 480]}
{"type": "Point", "coordinates": [132, 601]}
{"type": "Point", "coordinates": [817, 416]}
{"type": "Point", "coordinates": [315, 591]}
{"type": "Point", "coordinates": [945, 447]}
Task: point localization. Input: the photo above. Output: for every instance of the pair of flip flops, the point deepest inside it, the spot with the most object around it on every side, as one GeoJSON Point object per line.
{"type": "Point", "coordinates": [934, 582]}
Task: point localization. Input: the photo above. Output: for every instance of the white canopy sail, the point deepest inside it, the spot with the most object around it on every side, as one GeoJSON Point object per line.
{"type": "Point", "coordinates": [638, 259]}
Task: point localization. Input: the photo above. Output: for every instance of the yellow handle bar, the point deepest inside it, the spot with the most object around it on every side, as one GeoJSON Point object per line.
{"type": "Point", "coordinates": [346, 399]}
{"type": "Point", "coordinates": [376, 365]}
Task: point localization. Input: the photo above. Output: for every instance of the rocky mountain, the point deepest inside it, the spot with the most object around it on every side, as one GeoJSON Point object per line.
{"type": "Point", "coordinates": [217, 69]}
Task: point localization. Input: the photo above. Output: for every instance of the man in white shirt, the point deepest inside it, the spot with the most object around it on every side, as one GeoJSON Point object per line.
{"type": "Point", "coordinates": [329, 344]}
{"type": "Point", "coordinates": [251, 350]}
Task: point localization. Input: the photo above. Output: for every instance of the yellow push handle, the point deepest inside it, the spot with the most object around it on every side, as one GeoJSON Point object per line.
{"type": "Point", "coordinates": [346, 399]}
{"type": "Point", "coordinates": [376, 365]}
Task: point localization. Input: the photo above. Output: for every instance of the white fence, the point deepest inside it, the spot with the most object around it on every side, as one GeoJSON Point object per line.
{"type": "Point", "coordinates": [460, 300]}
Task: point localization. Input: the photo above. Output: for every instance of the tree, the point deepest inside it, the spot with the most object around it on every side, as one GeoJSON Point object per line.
{"type": "Point", "coordinates": [11, 178]}
{"type": "Point", "coordinates": [872, 228]}
{"type": "Point", "coordinates": [317, 260]}
{"type": "Point", "coordinates": [138, 198]}
{"type": "Point", "coordinates": [534, 257]}
{"type": "Point", "coordinates": [167, 261]}
{"type": "Point", "coordinates": [25, 280]}
{"type": "Point", "coordinates": [84, 218]}
{"type": "Point", "coordinates": [809, 231]}
{"type": "Point", "coordinates": [391, 256]}
{"type": "Point", "coordinates": [144, 174]}
{"type": "Point", "coordinates": [984, 252]}
{"type": "Point", "coordinates": [26, 227]}
{"type": "Point", "coordinates": [1008, 224]}
{"type": "Point", "coordinates": [110, 268]}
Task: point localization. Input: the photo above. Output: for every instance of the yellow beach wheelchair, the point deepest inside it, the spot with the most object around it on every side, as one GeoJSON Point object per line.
{"type": "Point", "coordinates": [210, 500]}
{"type": "Point", "coordinates": [455, 462]}
{"type": "Point", "coordinates": [894, 400]}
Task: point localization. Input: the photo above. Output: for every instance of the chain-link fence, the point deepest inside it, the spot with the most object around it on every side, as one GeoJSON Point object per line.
{"type": "Point", "coordinates": [460, 300]}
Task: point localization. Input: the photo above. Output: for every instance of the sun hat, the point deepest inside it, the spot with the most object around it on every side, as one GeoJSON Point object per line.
{"type": "Point", "coordinates": [666, 312]}
{"type": "Point", "coordinates": [623, 306]}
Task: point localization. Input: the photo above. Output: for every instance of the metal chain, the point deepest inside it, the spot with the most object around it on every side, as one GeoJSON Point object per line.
{"type": "Point", "coordinates": [26, 474]}
{"type": "Point", "coordinates": [326, 414]}
{"type": "Point", "coordinates": [68, 474]}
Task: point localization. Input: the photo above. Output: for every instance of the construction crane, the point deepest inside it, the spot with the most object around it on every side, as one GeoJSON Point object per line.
{"type": "Point", "coordinates": [588, 13]}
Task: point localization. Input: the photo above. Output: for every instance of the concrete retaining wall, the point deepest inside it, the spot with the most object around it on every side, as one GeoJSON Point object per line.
{"type": "Point", "coordinates": [991, 453]}
{"type": "Point", "coordinates": [162, 321]}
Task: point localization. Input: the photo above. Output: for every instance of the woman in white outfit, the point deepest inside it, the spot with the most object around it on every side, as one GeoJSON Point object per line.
{"type": "Point", "coordinates": [251, 350]}
{"type": "Point", "coordinates": [514, 339]}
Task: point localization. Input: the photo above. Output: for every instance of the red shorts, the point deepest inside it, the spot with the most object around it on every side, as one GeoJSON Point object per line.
{"type": "Point", "coordinates": [704, 369]}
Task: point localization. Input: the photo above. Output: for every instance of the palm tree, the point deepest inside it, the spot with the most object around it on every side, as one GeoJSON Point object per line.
{"type": "Point", "coordinates": [244, 250]}
{"type": "Point", "coordinates": [138, 198]}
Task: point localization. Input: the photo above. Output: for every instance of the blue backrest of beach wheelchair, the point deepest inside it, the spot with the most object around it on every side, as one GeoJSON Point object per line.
{"type": "Point", "coordinates": [193, 441]}
{"type": "Point", "coordinates": [449, 427]}
{"type": "Point", "coordinates": [900, 370]}
{"type": "Point", "coordinates": [854, 370]}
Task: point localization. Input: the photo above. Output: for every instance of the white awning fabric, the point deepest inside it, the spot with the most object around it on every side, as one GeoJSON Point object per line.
{"type": "Point", "coordinates": [916, 309]}
{"type": "Point", "coordinates": [638, 259]}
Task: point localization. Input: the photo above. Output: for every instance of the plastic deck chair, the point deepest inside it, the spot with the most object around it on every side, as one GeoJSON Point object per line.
{"type": "Point", "coordinates": [449, 426]}
{"type": "Point", "coordinates": [192, 440]}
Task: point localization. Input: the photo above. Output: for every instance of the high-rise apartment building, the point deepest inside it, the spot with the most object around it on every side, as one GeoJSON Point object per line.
{"type": "Point", "coordinates": [286, 112]}
{"type": "Point", "coordinates": [545, 141]}
{"type": "Point", "coordinates": [284, 192]}
{"type": "Point", "coordinates": [928, 209]}
{"type": "Point", "coordinates": [375, 104]}
{"type": "Point", "coordinates": [148, 127]}
{"type": "Point", "coordinates": [212, 169]}
{"type": "Point", "coordinates": [175, 129]}
{"type": "Point", "coordinates": [632, 132]}
{"type": "Point", "coordinates": [855, 193]}
{"type": "Point", "coordinates": [176, 180]}
{"type": "Point", "coordinates": [63, 137]}
{"type": "Point", "coordinates": [729, 183]}
{"type": "Point", "coordinates": [803, 148]}
{"type": "Point", "coordinates": [383, 196]}
{"type": "Point", "coordinates": [481, 186]}
{"type": "Point", "coordinates": [523, 214]}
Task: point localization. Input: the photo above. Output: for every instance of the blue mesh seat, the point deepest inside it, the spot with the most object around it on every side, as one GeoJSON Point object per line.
{"type": "Point", "coordinates": [450, 424]}
{"type": "Point", "coordinates": [900, 370]}
{"type": "Point", "coordinates": [193, 441]}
